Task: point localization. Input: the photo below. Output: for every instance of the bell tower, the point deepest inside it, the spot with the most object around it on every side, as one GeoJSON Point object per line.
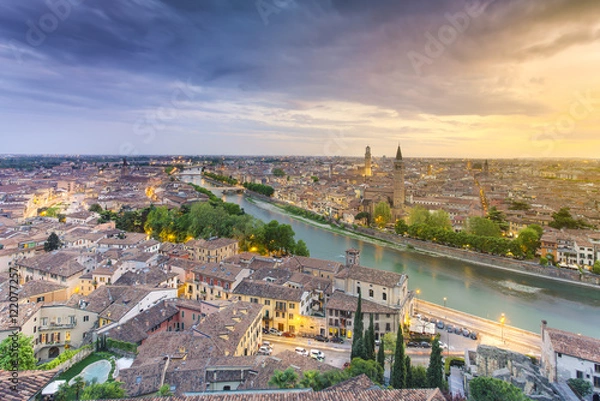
{"type": "Point", "coordinates": [399, 191]}
{"type": "Point", "coordinates": [368, 171]}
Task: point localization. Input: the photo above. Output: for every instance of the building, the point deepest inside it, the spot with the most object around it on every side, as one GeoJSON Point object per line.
{"type": "Point", "coordinates": [384, 294]}
{"type": "Point", "coordinates": [568, 355]}
{"type": "Point", "coordinates": [368, 171]}
{"type": "Point", "coordinates": [60, 267]}
{"type": "Point", "coordinates": [213, 250]}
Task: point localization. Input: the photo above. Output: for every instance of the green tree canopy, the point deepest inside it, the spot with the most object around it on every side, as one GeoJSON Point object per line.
{"type": "Point", "coordinates": [400, 227]}
{"type": "Point", "coordinates": [435, 370]}
{"type": "Point", "coordinates": [498, 217]}
{"type": "Point", "coordinates": [489, 389]}
{"type": "Point", "coordinates": [23, 358]}
{"type": "Point", "coordinates": [398, 373]}
{"type": "Point", "coordinates": [369, 367]}
{"type": "Point", "coordinates": [103, 391]}
{"type": "Point", "coordinates": [581, 387]}
{"type": "Point", "coordinates": [284, 379]}
{"type": "Point", "coordinates": [382, 214]}
{"type": "Point", "coordinates": [483, 227]}
{"type": "Point", "coordinates": [418, 215]}
{"type": "Point", "coordinates": [96, 208]}
{"type": "Point", "coordinates": [440, 219]}
{"type": "Point", "coordinates": [529, 241]}
{"type": "Point", "coordinates": [277, 172]}
{"type": "Point", "coordinates": [301, 249]}
{"type": "Point", "coordinates": [563, 219]}
{"type": "Point", "coordinates": [358, 328]}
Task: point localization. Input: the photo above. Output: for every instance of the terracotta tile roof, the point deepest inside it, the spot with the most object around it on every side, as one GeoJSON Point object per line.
{"type": "Point", "coordinates": [210, 244]}
{"type": "Point", "coordinates": [295, 395]}
{"type": "Point", "coordinates": [368, 275]}
{"type": "Point", "coordinates": [151, 277]}
{"type": "Point", "coordinates": [25, 313]}
{"type": "Point", "coordinates": [299, 262]}
{"type": "Point", "coordinates": [225, 271]}
{"type": "Point", "coordinates": [267, 290]}
{"type": "Point", "coordinates": [345, 302]}
{"type": "Point", "coordinates": [361, 382]}
{"type": "Point", "coordinates": [30, 382]}
{"type": "Point", "coordinates": [572, 344]}
{"type": "Point", "coordinates": [61, 263]}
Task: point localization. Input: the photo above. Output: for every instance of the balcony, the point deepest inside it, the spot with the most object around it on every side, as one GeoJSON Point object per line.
{"type": "Point", "coordinates": [58, 326]}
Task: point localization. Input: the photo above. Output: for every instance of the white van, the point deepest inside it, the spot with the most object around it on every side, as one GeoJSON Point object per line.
{"type": "Point", "coordinates": [316, 354]}
{"type": "Point", "coordinates": [301, 351]}
{"type": "Point", "coordinates": [264, 350]}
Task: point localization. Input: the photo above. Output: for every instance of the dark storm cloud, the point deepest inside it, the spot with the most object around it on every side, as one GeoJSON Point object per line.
{"type": "Point", "coordinates": [122, 58]}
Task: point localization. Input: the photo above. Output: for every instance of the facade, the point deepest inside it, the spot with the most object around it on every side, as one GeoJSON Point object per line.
{"type": "Point", "coordinates": [56, 267]}
{"type": "Point", "coordinates": [213, 250]}
{"type": "Point", "coordinates": [210, 281]}
{"type": "Point", "coordinates": [568, 355]}
{"type": "Point", "coordinates": [285, 307]}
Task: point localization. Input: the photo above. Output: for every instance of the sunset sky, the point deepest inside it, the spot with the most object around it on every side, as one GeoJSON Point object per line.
{"type": "Point", "coordinates": [445, 78]}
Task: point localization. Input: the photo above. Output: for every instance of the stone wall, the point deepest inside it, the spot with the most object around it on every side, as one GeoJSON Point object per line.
{"type": "Point", "coordinates": [517, 369]}
{"type": "Point", "coordinates": [81, 355]}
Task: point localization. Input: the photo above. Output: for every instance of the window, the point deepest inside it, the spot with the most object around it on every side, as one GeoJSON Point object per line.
{"type": "Point", "coordinates": [44, 321]}
{"type": "Point", "coordinates": [268, 302]}
{"type": "Point", "coordinates": [40, 299]}
{"type": "Point", "coordinates": [182, 314]}
{"type": "Point", "coordinates": [597, 368]}
{"type": "Point", "coordinates": [579, 374]}
{"type": "Point", "coordinates": [68, 336]}
{"type": "Point", "coordinates": [291, 316]}
{"type": "Point", "coordinates": [292, 306]}
{"type": "Point", "coordinates": [376, 316]}
{"type": "Point", "coordinates": [596, 381]}
{"type": "Point", "coordinates": [86, 318]}
{"type": "Point", "coordinates": [388, 327]}
{"type": "Point", "coordinates": [384, 296]}
{"type": "Point", "coordinates": [358, 290]}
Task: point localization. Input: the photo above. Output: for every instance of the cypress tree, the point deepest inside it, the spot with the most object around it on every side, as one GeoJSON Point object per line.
{"type": "Point", "coordinates": [398, 374]}
{"type": "Point", "coordinates": [370, 339]}
{"type": "Point", "coordinates": [435, 376]}
{"type": "Point", "coordinates": [358, 327]}
{"type": "Point", "coordinates": [381, 359]}
{"type": "Point", "coordinates": [409, 380]}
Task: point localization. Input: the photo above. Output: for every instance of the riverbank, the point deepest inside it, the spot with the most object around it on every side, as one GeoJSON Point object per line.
{"type": "Point", "coordinates": [408, 244]}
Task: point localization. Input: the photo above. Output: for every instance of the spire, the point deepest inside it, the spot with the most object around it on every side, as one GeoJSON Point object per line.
{"type": "Point", "coordinates": [398, 153]}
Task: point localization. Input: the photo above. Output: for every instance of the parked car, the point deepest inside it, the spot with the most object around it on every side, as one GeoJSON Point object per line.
{"type": "Point", "coordinates": [473, 335]}
{"type": "Point", "coordinates": [288, 334]}
{"type": "Point", "coordinates": [466, 333]}
{"type": "Point", "coordinates": [316, 354]}
{"type": "Point", "coordinates": [264, 350]}
{"type": "Point", "coordinates": [412, 344]}
{"type": "Point", "coordinates": [336, 339]}
{"type": "Point", "coordinates": [449, 328]}
{"type": "Point", "coordinates": [301, 351]}
{"type": "Point", "coordinates": [267, 344]}
{"type": "Point", "coordinates": [265, 331]}
{"type": "Point", "coordinates": [443, 345]}
{"type": "Point", "coordinates": [321, 338]}
{"type": "Point", "coordinates": [275, 332]}
{"type": "Point", "coordinates": [433, 320]}
{"type": "Point", "coordinates": [457, 330]}
{"type": "Point", "coordinates": [440, 325]}
{"type": "Point", "coordinates": [424, 344]}
{"type": "Point", "coordinates": [378, 342]}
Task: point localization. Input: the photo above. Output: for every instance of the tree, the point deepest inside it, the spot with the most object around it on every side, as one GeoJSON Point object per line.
{"type": "Point", "coordinates": [529, 241]}
{"type": "Point", "coordinates": [52, 243]}
{"type": "Point", "coordinates": [418, 215]}
{"type": "Point", "coordinates": [398, 373]}
{"type": "Point", "coordinates": [563, 219]}
{"type": "Point", "coordinates": [401, 227]}
{"type": "Point", "coordinates": [319, 381]}
{"type": "Point", "coordinates": [389, 344]}
{"type": "Point", "coordinates": [301, 249]}
{"type": "Point", "coordinates": [381, 355]}
{"type": "Point", "coordinates": [165, 391]}
{"type": "Point", "coordinates": [418, 376]}
{"type": "Point", "coordinates": [96, 208]}
{"type": "Point", "coordinates": [543, 261]}
{"type": "Point", "coordinates": [358, 327]}
{"type": "Point", "coordinates": [108, 390]}
{"type": "Point", "coordinates": [382, 214]}
{"type": "Point", "coordinates": [489, 389]}
{"type": "Point", "coordinates": [440, 219]}
{"type": "Point", "coordinates": [581, 386]}
{"type": "Point", "coordinates": [370, 368]}
{"type": "Point", "coordinates": [482, 227]}
{"type": "Point", "coordinates": [286, 379]}
{"type": "Point", "coordinates": [364, 215]}
{"type": "Point", "coordinates": [16, 353]}
{"type": "Point", "coordinates": [518, 205]}
{"type": "Point", "coordinates": [409, 379]}
{"type": "Point", "coordinates": [498, 217]}
{"type": "Point", "coordinates": [277, 172]}
{"type": "Point", "coordinates": [596, 268]}
{"type": "Point", "coordinates": [435, 370]}
{"type": "Point", "coordinates": [369, 339]}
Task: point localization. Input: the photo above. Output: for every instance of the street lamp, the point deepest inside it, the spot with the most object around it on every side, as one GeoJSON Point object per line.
{"type": "Point", "coordinates": [445, 299]}
{"type": "Point", "coordinates": [502, 319]}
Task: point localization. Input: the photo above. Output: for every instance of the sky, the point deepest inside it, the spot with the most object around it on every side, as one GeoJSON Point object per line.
{"type": "Point", "coordinates": [443, 78]}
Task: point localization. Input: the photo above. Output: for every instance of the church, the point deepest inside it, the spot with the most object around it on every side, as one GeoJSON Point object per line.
{"type": "Point", "coordinates": [394, 195]}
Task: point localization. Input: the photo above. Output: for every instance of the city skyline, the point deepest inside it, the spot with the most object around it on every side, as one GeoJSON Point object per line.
{"type": "Point", "coordinates": [450, 79]}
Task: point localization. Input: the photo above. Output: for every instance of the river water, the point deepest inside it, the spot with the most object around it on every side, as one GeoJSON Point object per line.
{"type": "Point", "coordinates": [479, 290]}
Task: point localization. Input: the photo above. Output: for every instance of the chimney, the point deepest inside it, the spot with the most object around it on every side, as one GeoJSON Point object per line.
{"type": "Point", "coordinates": [544, 324]}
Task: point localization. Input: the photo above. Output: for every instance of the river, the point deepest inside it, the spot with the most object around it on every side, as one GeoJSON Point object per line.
{"type": "Point", "coordinates": [479, 290]}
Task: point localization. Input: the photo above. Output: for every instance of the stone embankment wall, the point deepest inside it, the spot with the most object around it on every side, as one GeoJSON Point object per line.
{"type": "Point", "coordinates": [80, 356]}
{"type": "Point", "coordinates": [497, 262]}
